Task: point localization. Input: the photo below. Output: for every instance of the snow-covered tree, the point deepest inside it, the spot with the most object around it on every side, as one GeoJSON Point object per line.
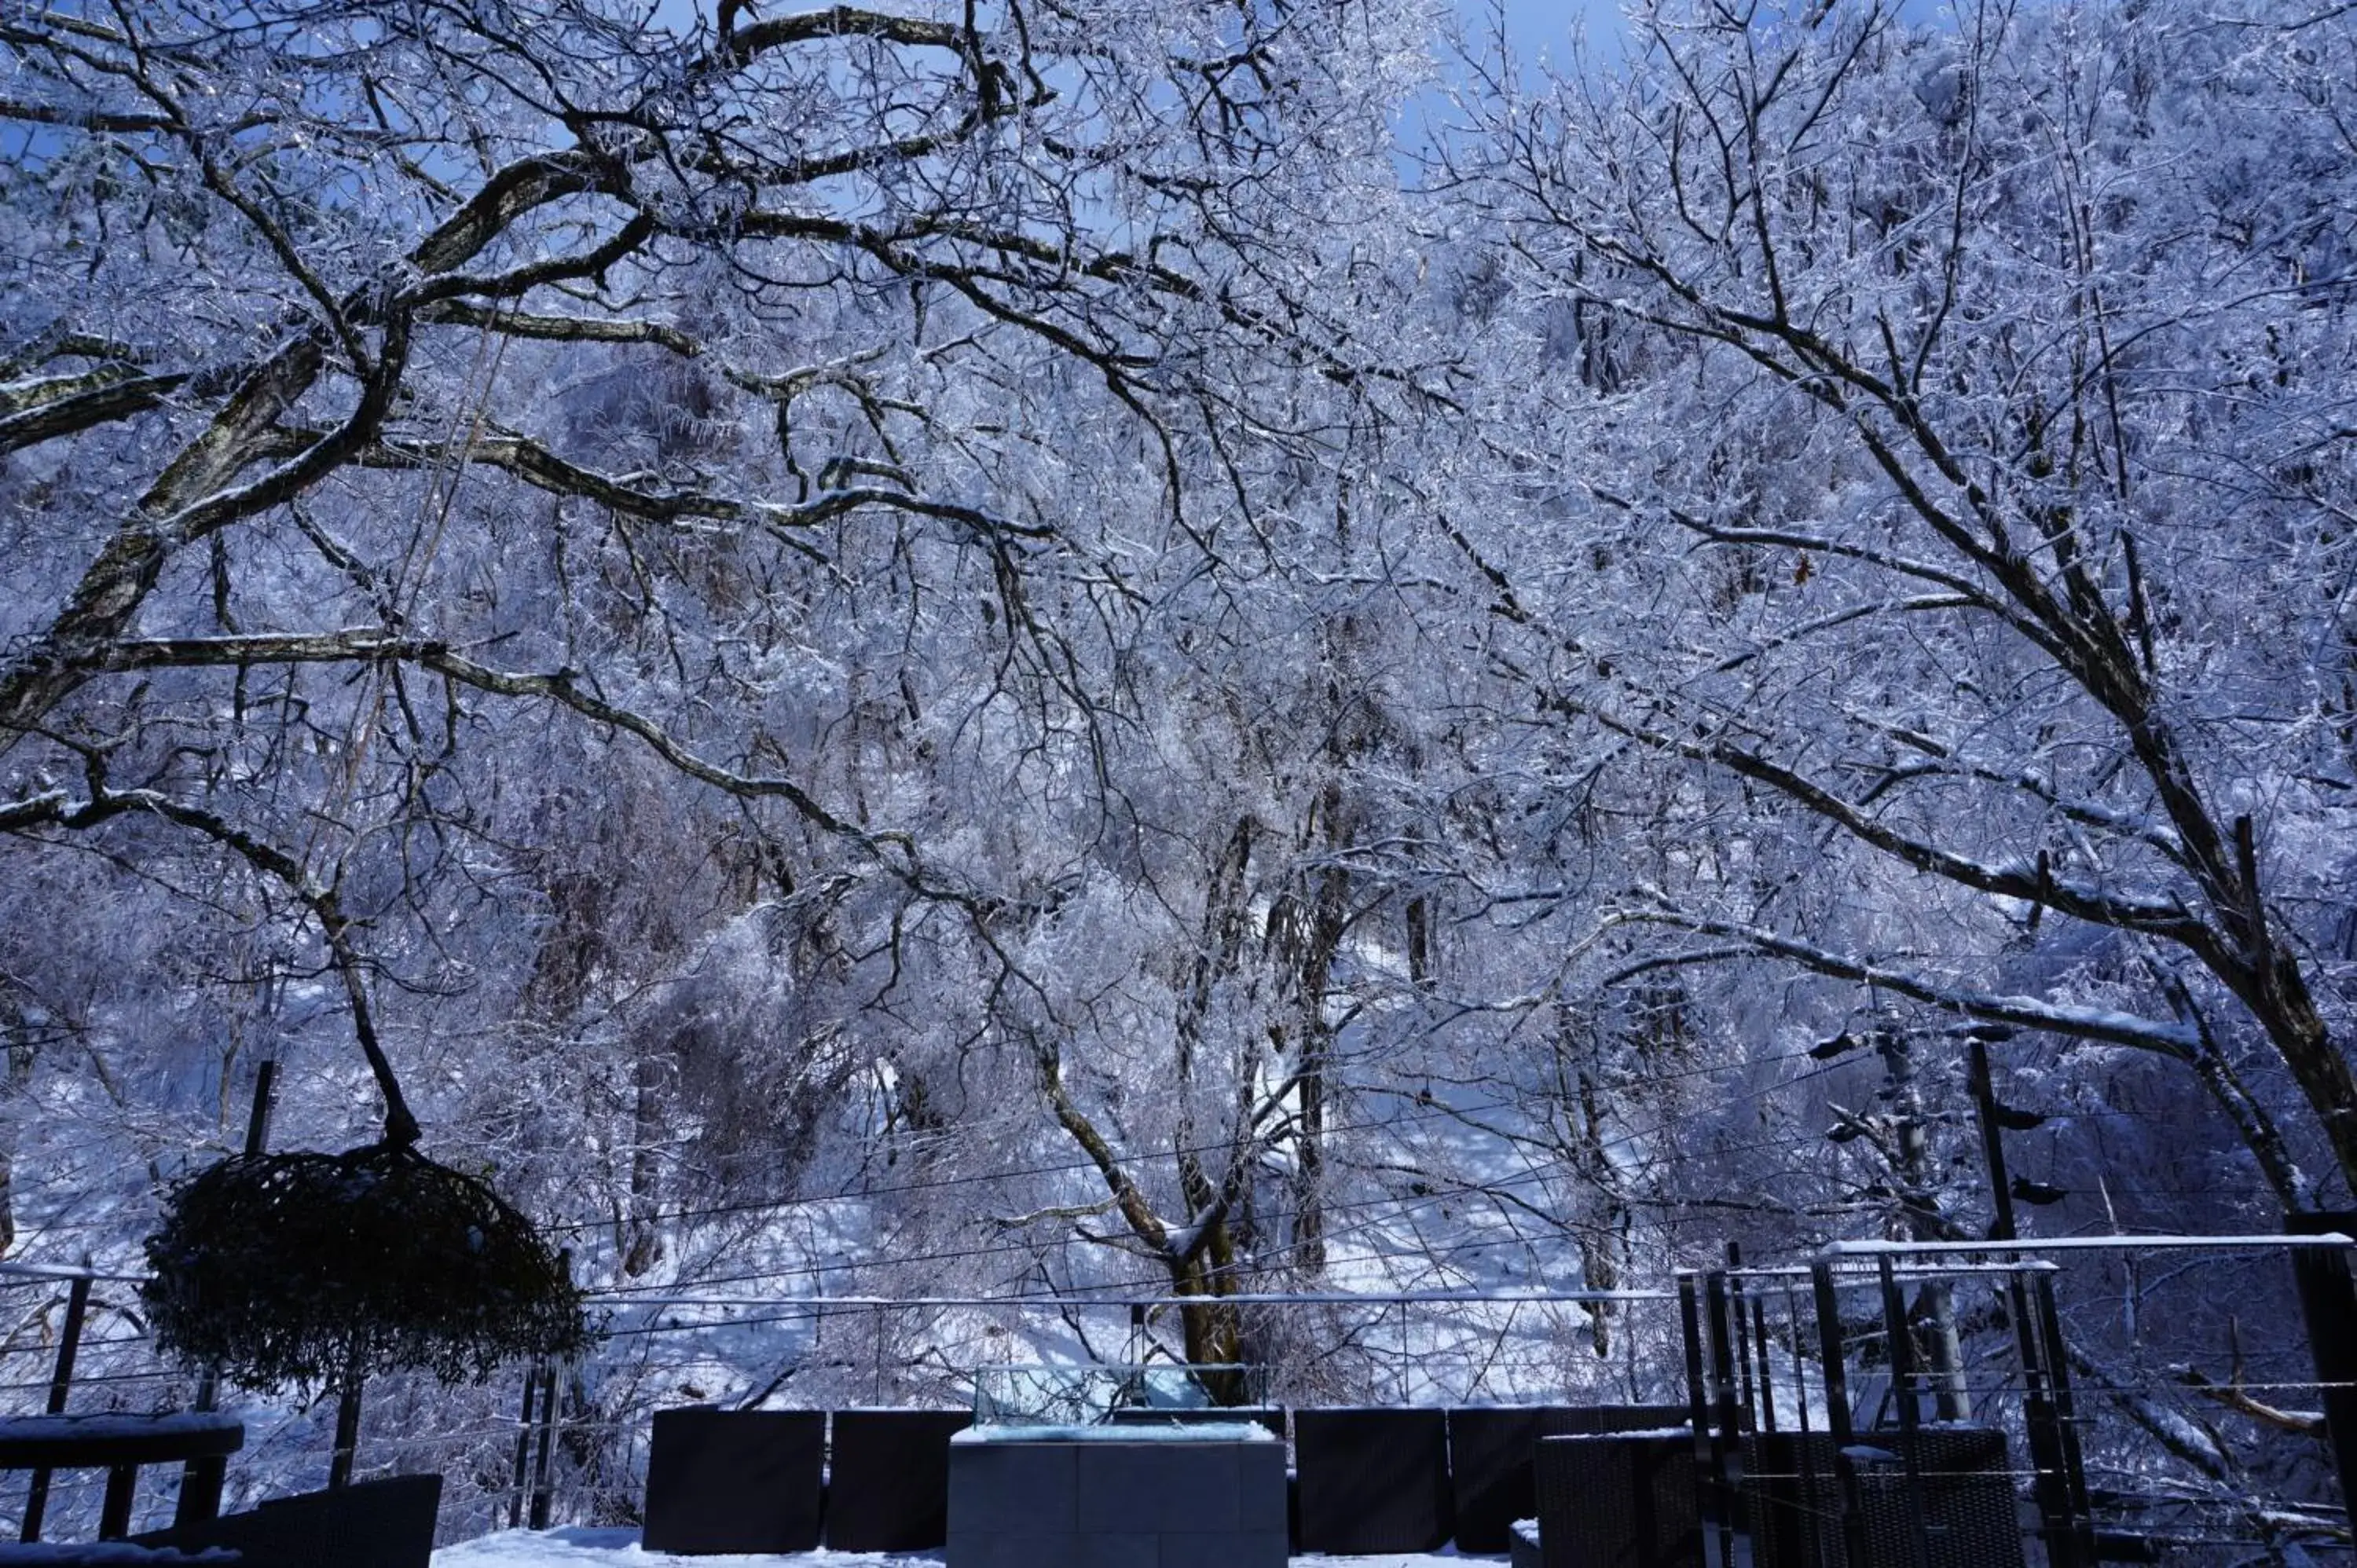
{"type": "Point", "coordinates": [1940, 483]}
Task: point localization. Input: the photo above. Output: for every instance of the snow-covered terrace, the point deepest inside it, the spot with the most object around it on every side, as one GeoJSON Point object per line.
{"type": "Point", "coordinates": [620, 1549]}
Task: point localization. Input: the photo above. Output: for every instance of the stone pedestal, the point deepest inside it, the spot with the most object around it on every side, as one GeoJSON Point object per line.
{"type": "Point", "coordinates": [1181, 1497]}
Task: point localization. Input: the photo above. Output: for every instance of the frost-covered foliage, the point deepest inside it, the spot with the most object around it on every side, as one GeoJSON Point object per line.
{"type": "Point", "coordinates": [927, 651]}
{"type": "Point", "coordinates": [1951, 546]}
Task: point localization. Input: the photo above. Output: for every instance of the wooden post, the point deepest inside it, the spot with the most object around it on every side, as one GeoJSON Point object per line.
{"type": "Point", "coordinates": [37, 1498]}
{"type": "Point", "coordinates": [114, 1513]}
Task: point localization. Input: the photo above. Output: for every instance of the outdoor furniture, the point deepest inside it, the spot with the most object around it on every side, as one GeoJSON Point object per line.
{"type": "Point", "coordinates": [1179, 1495]}
{"type": "Point", "coordinates": [370, 1524]}
{"type": "Point", "coordinates": [1489, 1455]}
{"type": "Point", "coordinates": [1625, 1499]}
{"type": "Point", "coordinates": [119, 1445]}
{"type": "Point", "coordinates": [889, 1479]}
{"type": "Point", "coordinates": [121, 1554]}
{"type": "Point", "coordinates": [1373, 1479]}
{"type": "Point", "coordinates": [735, 1480]}
{"type": "Point", "coordinates": [1970, 1516]}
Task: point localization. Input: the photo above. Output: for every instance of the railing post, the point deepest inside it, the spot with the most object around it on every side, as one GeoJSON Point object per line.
{"type": "Point", "coordinates": [1726, 1434]}
{"type": "Point", "coordinates": [2063, 1519]}
{"type": "Point", "coordinates": [1856, 1548]}
{"type": "Point", "coordinates": [1742, 1325]}
{"type": "Point", "coordinates": [37, 1498]}
{"type": "Point", "coordinates": [115, 1511]}
{"type": "Point", "coordinates": [2328, 1301]}
{"type": "Point", "coordinates": [2066, 1419]}
{"type": "Point", "coordinates": [1807, 1446]}
{"type": "Point", "coordinates": [1910, 1414]}
{"type": "Point", "coordinates": [1699, 1408]}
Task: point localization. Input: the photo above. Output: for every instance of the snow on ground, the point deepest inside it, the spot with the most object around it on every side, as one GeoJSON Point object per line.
{"type": "Point", "coordinates": [620, 1549]}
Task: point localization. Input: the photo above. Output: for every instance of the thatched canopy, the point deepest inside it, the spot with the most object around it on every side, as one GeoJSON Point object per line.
{"type": "Point", "coordinates": [311, 1269]}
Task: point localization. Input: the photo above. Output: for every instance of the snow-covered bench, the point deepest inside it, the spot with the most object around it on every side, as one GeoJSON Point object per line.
{"type": "Point", "coordinates": [118, 1444]}
{"type": "Point", "coordinates": [385, 1523]}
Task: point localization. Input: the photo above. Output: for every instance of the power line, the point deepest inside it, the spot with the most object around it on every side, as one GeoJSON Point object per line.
{"type": "Point", "coordinates": [1436, 1111]}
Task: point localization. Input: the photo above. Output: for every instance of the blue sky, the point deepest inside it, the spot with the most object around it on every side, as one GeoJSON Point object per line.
{"type": "Point", "coordinates": [1541, 26]}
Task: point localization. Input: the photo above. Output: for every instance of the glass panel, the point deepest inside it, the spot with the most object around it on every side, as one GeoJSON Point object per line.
{"type": "Point", "coordinates": [1099, 1395]}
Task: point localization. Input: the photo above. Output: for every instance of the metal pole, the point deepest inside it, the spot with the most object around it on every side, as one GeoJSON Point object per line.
{"type": "Point", "coordinates": [2066, 1420]}
{"type": "Point", "coordinates": [1856, 1550]}
{"type": "Point", "coordinates": [1727, 1438]}
{"type": "Point", "coordinates": [347, 1432]}
{"type": "Point", "coordinates": [540, 1488]}
{"type": "Point", "coordinates": [257, 1122]}
{"type": "Point", "coordinates": [36, 1499]}
{"type": "Point", "coordinates": [1767, 1373]}
{"type": "Point", "coordinates": [1705, 1436]}
{"type": "Point", "coordinates": [201, 1480]}
{"type": "Point", "coordinates": [1742, 1325]}
{"type": "Point", "coordinates": [1807, 1446]}
{"type": "Point", "coordinates": [2069, 1543]}
{"type": "Point", "coordinates": [1911, 1414]}
{"type": "Point", "coordinates": [540, 1484]}
{"type": "Point", "coordinates": [523, 1447]}
{"type": "Point", "coordinates": [2328, 1303]}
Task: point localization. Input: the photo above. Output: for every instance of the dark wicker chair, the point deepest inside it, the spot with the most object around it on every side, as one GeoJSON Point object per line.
{"type": "Point", "coordinates": [1625, 1499]}
{"type": "Point", "coordinates": [371, 1524]}
{"type": "Point", "coordinates": [1970, 1515]}
{"type": "Point", "coordinates": [889, 1479]}
{"type": "Point", "coordinates": [1371, 1479]}
{"type": "Point", "coordinates": [1490, 1452]}
{"type": "Point", "coordinates": [735, 1480]}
